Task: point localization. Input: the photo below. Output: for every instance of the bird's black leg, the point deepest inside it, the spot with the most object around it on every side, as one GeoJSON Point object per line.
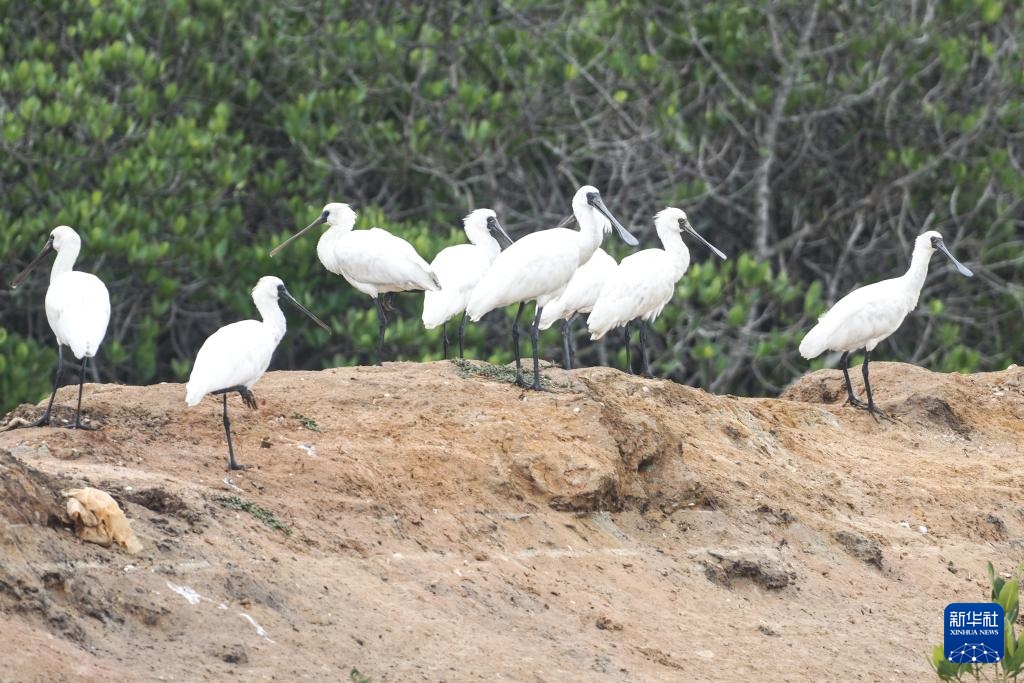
{"type": "Point", "coordinates": [535, 343]}
{"type": "Point", "coordinates": [78, 411]}
{"type": "Point", "coordinates": [625, 335]}
{"type": "Point", "coordinates": [850, 397]}
{"type": "Point", "coordinates": [567, 342]}
{"type": "Point", "coordinates": [643, 350]}
{"type": "Point", "coordinates": [232, 465]}
{"type": "Point", "coordinates": [382, 321]}
{"type": "Point", "coordinates": [515, 345]}
{"type": "Point", "coordinates": [45, 419]}
{"type": "Point", "coordinates": [462, 333]}
{"type": "Point", "coordinates": [444, 339]}
{"type": "Point", "coordinates": [875, 411]}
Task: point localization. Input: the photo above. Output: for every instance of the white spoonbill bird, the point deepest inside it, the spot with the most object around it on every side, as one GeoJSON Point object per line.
{"type": "Point", "coordinates": [579, 297]}
{"type": "Point", "coordinates": [869, 314]}
{"type": "Point", "coordinates": [77, 308]}
{"type": "Point", "coordinates": [234, 357]}
{"type": "Point", "coordinates": [373, 261]}
{"type": "Point", "coordinates": [459, 269]}
{"type": "Point", "coordinates": [539, 266]}
{"type": "Point", "coordinates": [644, 282]}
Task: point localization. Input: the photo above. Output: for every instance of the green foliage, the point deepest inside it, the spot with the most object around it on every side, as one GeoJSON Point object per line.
{"type": "Point", "coordinates": [1007, 594]}
{"type": "Point", "coordinates": [24, 368]}
{"type": "Point", "coordinates": [257, 511]}
{"type": "Point", "coordinates": [307, 422]}
{"type": "Point", "coordinates": [184, 139]}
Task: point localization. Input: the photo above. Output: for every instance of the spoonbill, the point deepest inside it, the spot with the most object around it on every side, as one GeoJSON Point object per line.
{"type": "Point", "coordinates": [579, 297]}
{"type": "Point", "coordinates": [871, 313]}
{"type": "Point", "coordinates": [459, 269]}
{"type": "Point", "coordinates": [539, 266]}
{"type": "Point", "coordinates": [644, 282]}
{"type": "Point", "coordinates": [373, 261]}
{"type": "Point", "coordinates": [234, 357]}
{"type": "Point", "coordinates": [77, 308]}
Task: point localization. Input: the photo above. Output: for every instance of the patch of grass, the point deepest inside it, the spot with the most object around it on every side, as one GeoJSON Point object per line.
{"type": "Point", "coordinates": [502, 373]}
{"type": "Point", "coordinates": [357, 676]}
{"type": "Point", "coordinates": [307, 422]}
{"type": "Point", "coordinates": [257, 511]}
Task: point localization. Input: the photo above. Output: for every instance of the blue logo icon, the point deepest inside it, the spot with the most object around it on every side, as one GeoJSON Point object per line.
{"type": "Point", "coordinates": [974, 632]}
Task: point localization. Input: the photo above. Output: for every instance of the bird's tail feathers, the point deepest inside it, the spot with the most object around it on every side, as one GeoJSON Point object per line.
{"type": "Point", "coordinates": [439, 307]}
{"type": "Point", "coordinates": [815, 342]}
{"type": "Point", "coordinates": [552, 312]}
{"type": "Point", "coordinates": [193, 395]}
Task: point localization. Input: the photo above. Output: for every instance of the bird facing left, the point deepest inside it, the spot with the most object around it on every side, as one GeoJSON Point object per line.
{"type": "Point", "coordinates": [234, 357]}
{"type": "Point", "coordinates": [77, 308]}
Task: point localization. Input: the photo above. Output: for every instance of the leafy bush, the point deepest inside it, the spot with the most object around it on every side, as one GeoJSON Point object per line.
{"type": "Point", "coordinates": [184, 139]}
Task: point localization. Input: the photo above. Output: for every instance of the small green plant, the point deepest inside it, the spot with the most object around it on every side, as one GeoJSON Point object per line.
{"type": "Point", "coordinates": [1007, 594]}
{"type": "Point", "coordinates": [496, 373]}
{"type": "Point", "coordinates": [257, 511]}
{"type": "Point", "coordinates": [357, 676]}
{"type": "Point", "coordinates": [307, 422]}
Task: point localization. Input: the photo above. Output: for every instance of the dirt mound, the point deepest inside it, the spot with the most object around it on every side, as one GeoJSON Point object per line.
{"type": "Point", "coordinates": [431, 522]}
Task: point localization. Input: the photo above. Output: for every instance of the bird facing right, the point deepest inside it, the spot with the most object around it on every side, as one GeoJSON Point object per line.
{"type": "Point", "coordinates": [234, 357]}
{"type": "Point", "coordinates": [644, 282]}
{"type": "Point", "coordinates": [868, 315]}
{"type": "Point", "coordinates": [458, 269]}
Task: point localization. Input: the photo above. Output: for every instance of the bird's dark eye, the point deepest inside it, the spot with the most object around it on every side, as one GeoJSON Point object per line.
{"type": "Point", "coordinates": [491, 222]}
{"type": "Point", "coordinates": [591, 196]}
{"type": "Point", "coordinates": [281, 290]}
{"type": "Point", "coordinates": [935, 241]}
{"type": "Point", "coordinates": [325, 214]}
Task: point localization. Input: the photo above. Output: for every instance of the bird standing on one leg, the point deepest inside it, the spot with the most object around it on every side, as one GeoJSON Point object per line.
{"type": "Point", "coordinates": [869, 314]}
{"type": "Point", "coordinates": [77, 308]}
{"type": "Point", "coordinates": [539, 266]}
{"type": "Point", "coordinates": [644, 282]}
{"type": "Point", "coordinates": [459, 268]}
{"type": "Point", "coordinates": [373, 261]}
{"type": "Point", "coordinates": [234, 357]}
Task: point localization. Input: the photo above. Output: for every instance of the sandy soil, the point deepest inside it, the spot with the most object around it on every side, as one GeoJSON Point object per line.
{"type": "Point", "coordinates": [445, 526]}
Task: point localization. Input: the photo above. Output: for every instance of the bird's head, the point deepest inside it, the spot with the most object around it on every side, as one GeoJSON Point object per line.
{"type": "Point", "coordinates": [335, 214]}
{"type": "Point", "coordinates": [61, 237]}
{"type": "Point", "coordinates": [930, 241]}
{"type": "Point", "coordinates": [481, 223]}
{"type": "Point", "coordinates": [270, 288]}
{"type": "Point", "coordinates": [671, 218]}
{"type": "Point", "coordinates": [587, 204]}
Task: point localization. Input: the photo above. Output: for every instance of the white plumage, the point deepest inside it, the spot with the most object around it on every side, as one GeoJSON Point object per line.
{"type": "Point", "coordinates": [373, 261]}
{"type": "Point", "coordinates": [869, 314]}
{"type": "Point", "coordinates": [77, 303]}
{"type": "Point", "coordinates": [581, 292]}
{"type": "Point", "coordinates": [644, 282]}
{"type": "Point", "coordinates": [238, 354]}
{"type": "Point", "coordinates": [77, 307]}
{"type": "Point", "coordinates": [234, 357]}
{"type": "Point", "coordinates": [539, 266]}
{"type": "Point", "coordinates": [461, 267]}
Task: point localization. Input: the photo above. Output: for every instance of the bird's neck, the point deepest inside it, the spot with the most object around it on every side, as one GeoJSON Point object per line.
{"type": "Point", "coordinates": [65, 260]}
{"type": "Point", "coordinates": [489, 246]}
{"type": "Point", "coordinates": [591, 233]}
{"type": "Point", "coordinates": [272, 316]}
{"type": "Point", "coordinates": [672, 241]}
{"type": "Point", "coordinates": [917, 272]}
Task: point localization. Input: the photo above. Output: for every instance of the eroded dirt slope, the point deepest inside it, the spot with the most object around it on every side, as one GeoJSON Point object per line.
{"type": "Point", "coordinates": [442, 525]}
